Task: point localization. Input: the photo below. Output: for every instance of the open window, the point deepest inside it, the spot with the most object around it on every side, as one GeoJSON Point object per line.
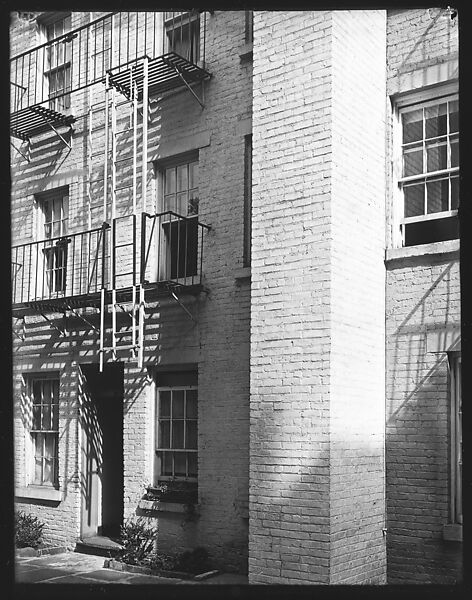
{"type": "Point", "coordinates": [183, 34]}
{"type": "Point", "coordinates": [179, 243]}
{"type": "Point", "coordinates": [429, 173]}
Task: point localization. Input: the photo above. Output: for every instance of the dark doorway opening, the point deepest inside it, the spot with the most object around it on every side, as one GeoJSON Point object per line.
{"type": "Point", "coordinates": [102, 449]}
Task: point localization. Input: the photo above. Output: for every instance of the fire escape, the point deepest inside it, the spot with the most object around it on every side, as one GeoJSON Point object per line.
{"type": "Point", "coordinates": [130, 257]}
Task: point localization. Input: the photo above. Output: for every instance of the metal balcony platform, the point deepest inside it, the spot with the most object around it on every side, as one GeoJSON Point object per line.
{"type": "Point", "coordinates": [165, 73]}
{"type": "Point", "coordinates": [34, 120]}
{"type": "Point", "coordinates": [154, 291]}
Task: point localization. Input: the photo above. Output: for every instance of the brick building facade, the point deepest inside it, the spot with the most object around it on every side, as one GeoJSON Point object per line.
{"type": "Point", "coordinates": [252, 337]}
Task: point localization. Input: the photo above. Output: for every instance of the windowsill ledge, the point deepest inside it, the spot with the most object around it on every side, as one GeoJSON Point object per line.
{"type": "Point", "coordinates": [160, 506]}
{"type": "Point", "coordinates": [452, 533]}
{"type": "Point", "coordinates": [38, 493]}
{"type": "Point", "coordinates": [243, 273]}
{"type": "Point", "coordinates": [437, 248]}
{"type": "Point", "coordinates": [245, 52]}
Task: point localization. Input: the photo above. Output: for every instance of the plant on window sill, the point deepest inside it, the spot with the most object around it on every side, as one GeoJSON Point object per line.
{"type": "Point", "coordinates": [182, 492]}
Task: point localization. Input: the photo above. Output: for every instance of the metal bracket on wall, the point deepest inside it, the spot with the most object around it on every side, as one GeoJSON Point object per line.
{"type": "Point", "coordinates": [21, 336]}
{"type": "Point", "coordinates": [177, 70]}
{"type": "Point", "coordinates": [26, 156]}
{"type": "Point", "coordinates": [79, 316]}
{"type": "Point", "coordinates": [63, 332]}
{"type": "Point", "coordinates": [177, 299]}
{"type": "Point", "coordinates": [61, 137]}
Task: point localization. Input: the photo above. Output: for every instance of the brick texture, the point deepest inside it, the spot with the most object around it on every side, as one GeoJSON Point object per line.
{"type": "Point", "coordinates": [316, 479]}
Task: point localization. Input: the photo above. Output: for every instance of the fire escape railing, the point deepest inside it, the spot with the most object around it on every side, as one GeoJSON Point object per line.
{"type": "Point", "coordinates": [169, 251]}
{"type": "Point", "coordinates": [178, 248]}
{"type": "Point", "coordinates": [66, 266]}
{"type": "Point", "coordinates": [85, 54]}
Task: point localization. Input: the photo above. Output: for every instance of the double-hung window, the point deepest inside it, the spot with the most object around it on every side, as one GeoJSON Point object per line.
{"type": "Point", "coordinates": [55, 216]}
{"type": "Point", "coordinates": [176, 447]}
{"type": "Point", "coordinates": [183, 34]}
{"type": "Point", "coordinates": [456, 439]}
{"type": "Point", "coordinates": [57, 67]}
{"type": "Point", "coordinates": [44, 396]}
{"type": "Point", "coordinates": [180, 196]}
{"type": "Point", "coordinates": [429, 182]}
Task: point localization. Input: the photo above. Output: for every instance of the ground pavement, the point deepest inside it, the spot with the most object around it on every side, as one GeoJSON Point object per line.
{"type": "Point", "coordinates": [73, 567]}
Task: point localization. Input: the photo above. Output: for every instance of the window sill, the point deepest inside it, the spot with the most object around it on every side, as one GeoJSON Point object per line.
{"type": "Point", "coordinates": [160, 506]}
{"type": "Point", "coordinates": [243, 273]}
{"type": "Point", "coordinates": [437, 248]}
{"type": "Point", "coordinates": [452, 532]}
{"type": "Point", "coordinates": [39, 493]}
{"type": "Point", "coordinates": [245, 53]}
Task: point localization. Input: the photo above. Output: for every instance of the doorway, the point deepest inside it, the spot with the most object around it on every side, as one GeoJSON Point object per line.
{"type": "Point", "coordinates": [101, 417]}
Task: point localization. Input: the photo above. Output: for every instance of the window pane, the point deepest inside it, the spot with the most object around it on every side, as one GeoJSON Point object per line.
{"type": "Point", "coordinates": [454, 152]}
{"type": "Point", "coordinates": [412, 161]}
{"type": "Point", "coordinates": [191, 404]}
{"type": "Point", "coordinates": [164, 434]}
{"type": "Point", "coordinates": [454, 193]}
{"type": "Point", "coordinates": [182, 202]}
{"type": "Point", "coordinates": [193, 203]}
{"type": "Point", "coordinates": [46, 420]}
{"type": "Point", "coordinates": [192, 464]}
{"type": "Point", "coordinates": [191, 435]}
{"type": "Point", "coordinates": [438, 192]}
{"type": "Point", "coordinates": [38, 470]}
{"type": "Point", "coordinates": [453, 116]}
{"type": "Point", "coordinates": [193, 175]}
{"type": "Point", "coordinates": [166, 463]}
{"type": "Point", "coordinates": [164, 404]}
{"type": "Point", "coordinates": [436, 120]}
{"type": "Point", "coordinates": [169, 203]}
{"type": "Point", "coordinates": [182, 178]}
{"type": "Point", "coordinates": [412, 126]}
{"type": "Point", "coordinates": [36, 417]}
{"type": "Point", "coordinates": [436, 156]}
{"type": "Point", "coordinates": [414, 200]}
{"type": "Point", "coordinates": [180, 464]}
{"type": "Point", "coordinates": [50, 445]}
{"type": "Point", "coordinates": [178, 434]}
{"type": "Point", "coordinates": [169, 181]}
{"type": "Point", "coordinates": [178, 404]}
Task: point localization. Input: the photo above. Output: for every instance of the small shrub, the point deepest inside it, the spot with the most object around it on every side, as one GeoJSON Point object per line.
{"type": "Point", "coordinates": [28, 530]}
{"type": "Point", "coordinates": [194, 561]}
{"type": "Point", "coordinates": [137, 539]}
{"type": "Point", "coordinates": [163, 562]}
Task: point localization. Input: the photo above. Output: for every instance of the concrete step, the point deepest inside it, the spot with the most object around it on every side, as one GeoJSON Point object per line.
{"type": "Point", "coordinates": [98, 545]}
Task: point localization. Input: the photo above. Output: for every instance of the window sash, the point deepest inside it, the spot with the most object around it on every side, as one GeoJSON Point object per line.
{"type": "Point", "coordinates": [177, 433]}
{"type": "Point", "coordinates": [44, 429]}
{"type": "Point", "coordinates": [180, 188]}
{"type": "Point", "coordinates": [432, 193]}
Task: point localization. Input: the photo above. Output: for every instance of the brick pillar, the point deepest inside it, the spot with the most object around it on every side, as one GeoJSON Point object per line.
{"type": "Point", "coordinates": [318, 298]}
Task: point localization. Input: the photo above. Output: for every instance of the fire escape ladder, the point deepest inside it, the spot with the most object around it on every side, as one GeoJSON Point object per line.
{"type": "Point", "coordinates": [126, 294]}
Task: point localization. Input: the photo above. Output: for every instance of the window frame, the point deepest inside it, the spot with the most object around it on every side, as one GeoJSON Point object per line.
{"type": "Point", "coordinates": [456, 431]}
{"type": "Point", "coordinates": [188, 22]}
{"type": "Point", "coordinates": [33, 432]}
{"type": "Point", "coordinates": [54, 254]}
{"type": "Point", "coordinates": [59, 97]}
{"type": "Point", "coordinates": [159, 477]}
{"type": "Point", "coordinates": [403, 105]}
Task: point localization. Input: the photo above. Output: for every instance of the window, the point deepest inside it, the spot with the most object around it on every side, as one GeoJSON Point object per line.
{"type": "Point", "coordinates": [44, 395]}
{"type": "Point", "coordinates": [180, 195]}
{"type": "Point", "coordinates": [177, 433]}
{"type": "Point", "coordinates": [247, 198]}
{"type": "Point", "coordinates": [183, 34]}
{"type": "Point", "coordinates": [57, 63]}
{"type": "Point", "coordinates": [456, 438]}
{"type": "Point", "coordinates": [429, 180]}
{"type": "Point", "coordinates": [55, 217]}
